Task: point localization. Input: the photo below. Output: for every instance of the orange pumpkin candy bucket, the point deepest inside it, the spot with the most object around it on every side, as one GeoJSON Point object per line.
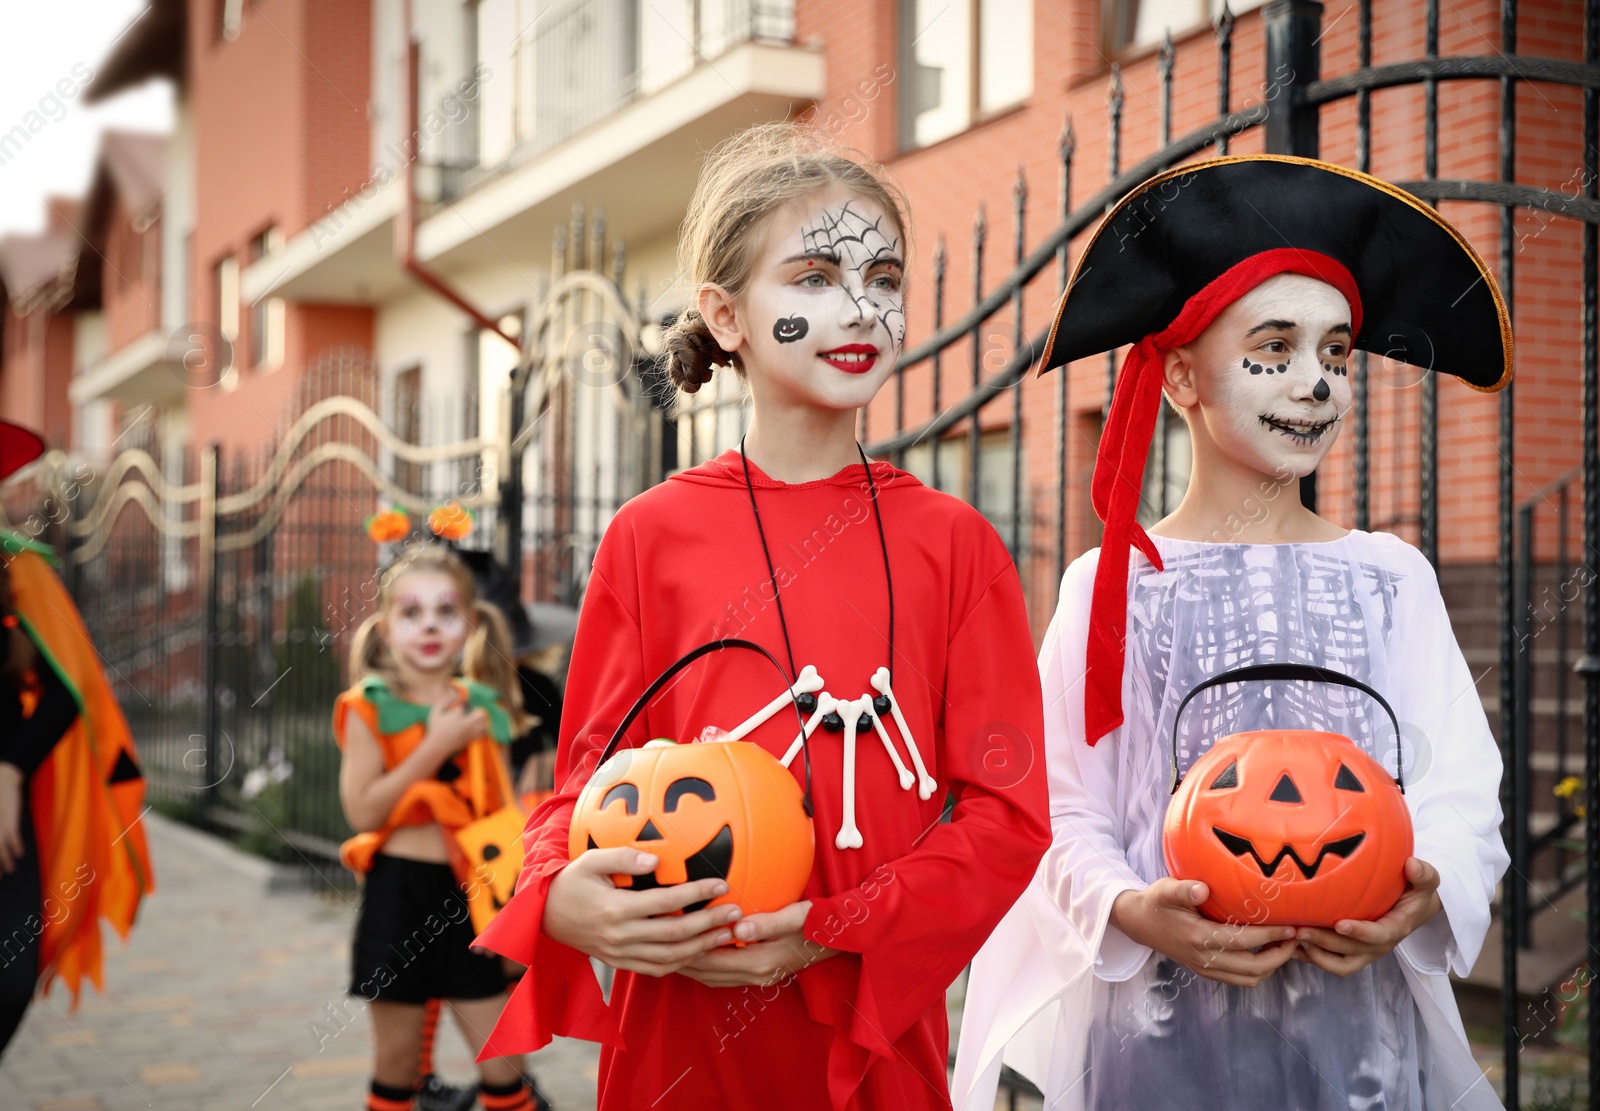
{"type": "Point", "coordinates": [705, 809]}
{"type": "Point", "coordinates": [1289, 826]}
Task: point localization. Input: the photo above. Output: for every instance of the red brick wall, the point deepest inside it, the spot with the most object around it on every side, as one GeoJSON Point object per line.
{"type": "Point", "coordinates": [281, 132]}
{"type": "Point", "coordinates": [130, 278]}
{"type": "Point", "coordinates": [34, 372]}
{"type": "Point", "coordinates": [947, 182]}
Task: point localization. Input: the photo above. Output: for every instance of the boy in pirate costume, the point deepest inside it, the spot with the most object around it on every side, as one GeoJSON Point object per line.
{"type": "Point", "coordinates": [1243, 285]}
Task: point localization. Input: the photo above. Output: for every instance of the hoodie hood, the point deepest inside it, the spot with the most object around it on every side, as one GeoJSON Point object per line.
{"type": "Point", "coordinates": [727, 469]}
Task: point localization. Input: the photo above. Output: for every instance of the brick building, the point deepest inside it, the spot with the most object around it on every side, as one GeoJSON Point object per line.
{"type": "Point", "coordinates": [288, 167]}
{"type": "Point", "coordinates": [277, 236]}
{"type": "Point", "coordinates": [35, 330]}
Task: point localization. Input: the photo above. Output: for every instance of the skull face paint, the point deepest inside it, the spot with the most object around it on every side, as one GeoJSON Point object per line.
{"type": "Point", "coordinates": [822, 316]}
{"type": "Point", "coordinates": [1270, 376]}
{"type": "Point", "coordinates": [424, 626]}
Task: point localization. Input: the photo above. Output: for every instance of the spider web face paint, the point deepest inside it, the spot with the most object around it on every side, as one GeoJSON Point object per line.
{"type": "Point", "coordinates": [822, 316]}
{"type": "Point", "coordinates": [859, 244]}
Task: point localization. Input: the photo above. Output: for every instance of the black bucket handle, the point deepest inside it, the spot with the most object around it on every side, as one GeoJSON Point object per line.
{"type": "Point", "coordinates": [1267, 672]}
{"type": "Point", "coordinates": [684, 661]}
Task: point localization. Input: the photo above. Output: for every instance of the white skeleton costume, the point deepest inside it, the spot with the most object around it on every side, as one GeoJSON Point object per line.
{"type": "Point", "coordinates": [1100, 1022]}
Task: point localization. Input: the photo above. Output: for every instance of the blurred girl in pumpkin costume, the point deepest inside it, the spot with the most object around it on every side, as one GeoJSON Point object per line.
{"type": "Point", "coordinates": [893, 609]}
{"type": "Point", "coordinates": [423, 759]}
{"type": "Point", "coordinates": [72, 849]}
{"type": "Point", "coordinates": [1244, 285]}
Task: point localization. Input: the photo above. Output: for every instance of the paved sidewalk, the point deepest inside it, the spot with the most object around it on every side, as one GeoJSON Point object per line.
{"type": "Point", "coordinates": [220, 999]}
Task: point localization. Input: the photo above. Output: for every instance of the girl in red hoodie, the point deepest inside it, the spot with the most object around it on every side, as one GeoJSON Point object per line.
{"type": "Point", "coordinates": [898, 616]}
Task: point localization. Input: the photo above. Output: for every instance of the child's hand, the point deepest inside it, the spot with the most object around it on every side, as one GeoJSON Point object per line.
{"type": "Point", "coordinates": [776, 949]}
{"type": "Point", "coordinates": [1163, 917]}
{"type": "Point", "coordinates": [585, 910]}
{"type": "Point", "coordinates": [1351, 945]}
{"type": "Point", "coordinates": [451, 726]}
{"type": "Point", "coordinates": [11, 788]}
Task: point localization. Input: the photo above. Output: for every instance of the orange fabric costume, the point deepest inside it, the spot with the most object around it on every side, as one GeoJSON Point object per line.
{"type": "Point", "coordinates": [88, 794]}
{"type": "Point", "coordinates": [475, 792]}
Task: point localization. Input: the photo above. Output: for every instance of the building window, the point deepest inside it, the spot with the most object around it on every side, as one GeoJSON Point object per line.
{"type": "Point", "coordinates": [225, 285]}
{"type": "Point", "coordinates": [407, 425]}
{"type": "Point", "coordinates": [993, 496]}
{"type": "Point", "coordinates": [965, 60]}
{"type": "Point", "coordinates": [230, 18]}
{"type": "Point", "coordinates": [490, 363]}
{"type": "Point", "coordinates": [1132, 24]}
{"type": "Point", "coordinates": [148, 234]}
{"type": "Point", "coordinates": [266, 313]}
{"type": "Point", "coordinates": [1166, 470]}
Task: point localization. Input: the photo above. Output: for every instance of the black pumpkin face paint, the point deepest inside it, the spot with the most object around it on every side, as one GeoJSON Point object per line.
{"type": "Point", "coordinates": [790, 328]}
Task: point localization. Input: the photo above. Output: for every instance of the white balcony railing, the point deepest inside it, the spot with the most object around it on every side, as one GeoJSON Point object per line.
{"type": "Point", "coordinates": [582, 61]}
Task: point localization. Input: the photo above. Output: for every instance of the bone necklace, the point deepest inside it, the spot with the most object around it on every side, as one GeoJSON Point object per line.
{"type": "Point", "coordinates": [833, 714]}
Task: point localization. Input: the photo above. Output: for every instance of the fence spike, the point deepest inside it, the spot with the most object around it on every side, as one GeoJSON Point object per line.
{"type": "Point", "coordinates": [1114, 99]}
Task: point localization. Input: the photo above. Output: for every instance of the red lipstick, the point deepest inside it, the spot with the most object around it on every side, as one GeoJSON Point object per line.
{"type": "Point", "coordinates": [852, 358]}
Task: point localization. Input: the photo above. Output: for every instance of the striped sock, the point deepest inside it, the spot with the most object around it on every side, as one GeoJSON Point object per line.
{"type": "Point", "coordinates": [382, 1097]}
{"type": "Point", "coordinates": [430, 1028]}
{"type": "Point", "coordinates": [505, 1097]}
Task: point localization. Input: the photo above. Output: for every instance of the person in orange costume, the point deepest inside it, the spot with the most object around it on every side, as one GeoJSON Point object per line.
{"type": "Point", "coordinates": [72, 850]}
{"type": "Point", "coordinates": [422, 760]}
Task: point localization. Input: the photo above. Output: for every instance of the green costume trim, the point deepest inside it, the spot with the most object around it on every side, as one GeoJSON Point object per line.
{"type": "Point", "coordinates": [396, 714]}
{"type": "Point", "coordinates": [15, 543]}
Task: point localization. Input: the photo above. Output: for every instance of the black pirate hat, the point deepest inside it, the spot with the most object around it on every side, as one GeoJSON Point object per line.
{"type": "Point", "coordinates": [1428, 298]}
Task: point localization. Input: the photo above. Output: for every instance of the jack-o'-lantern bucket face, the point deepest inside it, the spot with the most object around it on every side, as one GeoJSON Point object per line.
{"type": "Point", "coordinates": [720, 809]}
{"type": "Point", "coordinates": [492, 847]}
{"type": "Point", "coordinates": [1290, 827]}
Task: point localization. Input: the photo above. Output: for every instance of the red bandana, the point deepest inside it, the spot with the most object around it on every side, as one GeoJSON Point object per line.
{"type": "Point", "coordinates": [1125, 444]}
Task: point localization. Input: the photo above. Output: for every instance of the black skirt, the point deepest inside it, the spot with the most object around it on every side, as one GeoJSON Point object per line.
{"type": "Point", "coordinates": [412, 937]}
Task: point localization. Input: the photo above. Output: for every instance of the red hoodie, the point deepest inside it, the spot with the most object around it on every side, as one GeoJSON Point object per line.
{"type": "Point", "coordinates": [682, 564]}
